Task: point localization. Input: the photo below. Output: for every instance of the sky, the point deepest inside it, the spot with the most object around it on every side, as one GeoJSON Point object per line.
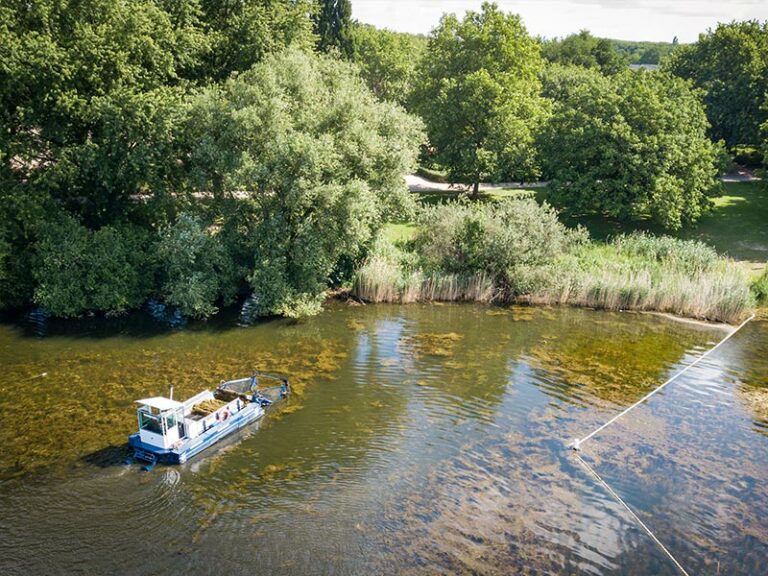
{"type": "Point", "coordinates": [657, 20]}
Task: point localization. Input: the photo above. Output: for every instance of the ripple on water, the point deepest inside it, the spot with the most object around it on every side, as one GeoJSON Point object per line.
{"type": "Point", "coordinates": [428, 440]}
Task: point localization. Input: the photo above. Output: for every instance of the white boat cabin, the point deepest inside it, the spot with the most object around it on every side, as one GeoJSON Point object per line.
{"type": "Point", "coordinates": [160, 420]}
{"type": "Point", "coordinates": [163, 422]}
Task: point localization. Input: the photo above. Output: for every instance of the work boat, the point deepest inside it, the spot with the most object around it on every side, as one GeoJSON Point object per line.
{"type": "Point", "coordinates": [172, 432]}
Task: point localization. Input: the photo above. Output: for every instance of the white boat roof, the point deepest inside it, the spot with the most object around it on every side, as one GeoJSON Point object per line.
{"type": "Point", "coordinates": [160, 403]}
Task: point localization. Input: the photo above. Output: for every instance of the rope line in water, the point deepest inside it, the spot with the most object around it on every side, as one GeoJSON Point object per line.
{"type": "Point", "coordinates": [576, 444]}
{"type": "Point", "coordinates": [605, 485]}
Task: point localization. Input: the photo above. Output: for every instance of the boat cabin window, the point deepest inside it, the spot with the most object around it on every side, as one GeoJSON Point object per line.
{"type": "Point", "coordinates": [150, 422]}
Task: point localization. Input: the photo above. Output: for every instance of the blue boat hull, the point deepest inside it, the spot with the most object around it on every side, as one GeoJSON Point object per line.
{"type": "Point", "coordinates": [191, 448]}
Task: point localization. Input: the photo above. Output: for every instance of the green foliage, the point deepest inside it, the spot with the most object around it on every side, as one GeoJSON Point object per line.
{"type": "Point", "coordinates": [94, 105]}
{"type": "Point", "coordinates": [749, 156]}
{"type": "Point", "coordinates": [85, 102]}
{"type": "Point", "coordinates": [690, 256]}
{"type": "Point", "coordinates": [131, 150]}
{"type": "Point", "coordinates": [585, 50]}
{"type": "Point", "coordinates": [506, 240]}
{"type": "Point", "coordinates": [196, 270]}
{"type": "Point", "coordinates": [479, 96]}
{"type": "Point", "coordinates": [644, 52]}
{"type": "Point", "coordinates": [730, 64]}
{"type": "Point", "coordinates": [22, 210]}
{"type": "Point", "coordinates": [634, 272]}
{"type": "Point", "coordinates": [91, 92]}
{"type": "Point", "coordinates": [242, 33]}
{"type": "Point", "coordinates": [333, 21]}
{"type": "Point", "coordinates": [632, 145]}
{"type": "Point", "coordinates": [760, 288]}
{"type": "Point", "coordinates": [388, 60]}
{"type": "Point", "coordinates": [319, 157]}
{"type": "Point", "coordinates": [78, 270]}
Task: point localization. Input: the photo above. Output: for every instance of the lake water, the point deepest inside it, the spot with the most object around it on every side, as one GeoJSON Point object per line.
{"type": "Point", "coordinates": [420, 440]}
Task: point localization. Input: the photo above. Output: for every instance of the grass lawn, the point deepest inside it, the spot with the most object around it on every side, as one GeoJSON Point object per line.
{"type": "Point", "coordinates": [403, 232]}
{"type": "Point", "coordinates": [737, 226]}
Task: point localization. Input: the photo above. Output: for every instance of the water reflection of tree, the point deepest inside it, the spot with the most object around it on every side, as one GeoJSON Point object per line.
{"type": "Point", "coordinates": [465, 351]}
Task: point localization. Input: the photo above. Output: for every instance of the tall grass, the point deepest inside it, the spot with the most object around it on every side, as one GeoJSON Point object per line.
{"type": "Point", "coordinates": [760, 288]}
{"type": "Point", "coordinates": [384, 280]}
{"type": "Point", "coordinates": [635, 272]}
{"type": "Point", "coordinates": [721, 294]}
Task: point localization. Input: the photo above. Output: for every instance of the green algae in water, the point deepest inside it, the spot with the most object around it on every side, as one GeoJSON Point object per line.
{"type": "Point", "coordinates": [464, 473]}
{"type": "Point", "coordinates": [432, 344]}
{"type": "Point", "coordinates": [83, 410]}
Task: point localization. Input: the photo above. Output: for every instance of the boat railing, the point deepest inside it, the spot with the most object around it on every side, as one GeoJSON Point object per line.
{"type": "Point", "coordinates": [255, 383]}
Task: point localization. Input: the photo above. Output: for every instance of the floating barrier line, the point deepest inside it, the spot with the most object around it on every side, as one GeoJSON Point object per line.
{"type": "Point", "coordinates": [605, 485]}
{"type": "Point", "coordinates": [576, 444]}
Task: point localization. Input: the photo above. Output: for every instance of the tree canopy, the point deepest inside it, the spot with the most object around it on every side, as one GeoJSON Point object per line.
{"type": "Point", "coordinates": [585, 50]}
{"type": "Point", "coordinates": [633, 145]}
{"type": "Point", "coordinates": [730, 64]}
{"type": "Point", "coordinates": [333, 23]}
{"type": "Point", "coordinates": [160, 149]}
{"type": "Point", "coordinates": [388, 60]}
{"type": "Point", "coordinates": [322, 174]}
{"type": "Point", "coordinates": [644, 52]}
{"type": "Point", "coordinates": [479, 96]}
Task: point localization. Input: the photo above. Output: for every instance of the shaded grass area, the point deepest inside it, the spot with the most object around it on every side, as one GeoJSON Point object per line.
{"type": "Point", "coordinates": [737, 225]}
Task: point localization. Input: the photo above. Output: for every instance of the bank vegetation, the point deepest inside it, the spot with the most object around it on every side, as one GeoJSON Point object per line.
{"type": "Point", "coordinates": [518, 251]}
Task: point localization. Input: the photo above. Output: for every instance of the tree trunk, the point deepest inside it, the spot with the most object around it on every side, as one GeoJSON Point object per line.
{"type": "Point", "coordinates": [476, 189]}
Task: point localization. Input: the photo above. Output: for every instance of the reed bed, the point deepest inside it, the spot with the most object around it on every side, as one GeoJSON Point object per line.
{"type": "Point", "coordinates": [722, 295]}
{"type": "Point", "coordinates": [381, 280]}
{"type": "Point", "coordinates": [635, 272]}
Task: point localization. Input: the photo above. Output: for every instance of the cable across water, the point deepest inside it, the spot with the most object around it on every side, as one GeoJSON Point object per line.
{"type": "Point", "coordinates": [576, 444]}
{"type": "Point", "coordinates": [605, 485]}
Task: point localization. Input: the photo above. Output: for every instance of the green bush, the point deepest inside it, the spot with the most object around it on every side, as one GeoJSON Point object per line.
{"type": "Point", "coordinates": [760, 288]}
{"type": "Point", "coordinates": [78, 270]}
{"type": "Point", "coordinates": [196, 270]}
{"type": "Point", "coordinates": [507, 240]}
{"type": "Point", "coordinates": [749, 156]}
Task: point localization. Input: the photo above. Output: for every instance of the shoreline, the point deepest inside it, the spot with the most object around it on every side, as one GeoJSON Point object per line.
{"type": "Point", "coordinates": [346, 296]}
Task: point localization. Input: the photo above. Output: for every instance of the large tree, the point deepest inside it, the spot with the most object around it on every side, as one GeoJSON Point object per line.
{"type": "Point", "coordinates": [479, 96]}
{"type": "Point", "coordinates": [730, 64]}
{"type": "Point", "coordinates": [91, 91]}
{"type": "Point", "coordinates": [388, 60]}
{"type": "Point", "coordinates": [585, 50]}
{"type": "Point", "coordinates": [333, 23]}
{"type": "Point", "coordinates": [240, 33]}
{"type": "Point", "coordinates": [633, 145]}
{"type": "Point", "coordinates": [320, 159]}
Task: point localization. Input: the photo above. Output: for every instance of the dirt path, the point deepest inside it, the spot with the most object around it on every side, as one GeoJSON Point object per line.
{"type": "Point", "coordinates": [419, 184]}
